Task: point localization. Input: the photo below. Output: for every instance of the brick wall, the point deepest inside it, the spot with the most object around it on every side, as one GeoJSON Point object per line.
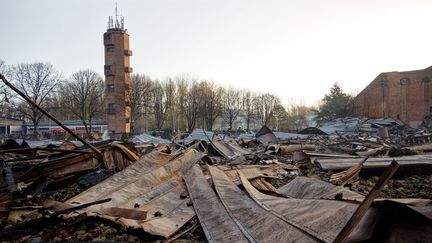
{"type": "Point", "coordinates": [403, 95]}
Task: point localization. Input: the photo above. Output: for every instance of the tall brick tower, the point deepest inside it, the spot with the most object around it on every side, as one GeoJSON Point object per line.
{"type": "Point", "coordinates": [117, 76]}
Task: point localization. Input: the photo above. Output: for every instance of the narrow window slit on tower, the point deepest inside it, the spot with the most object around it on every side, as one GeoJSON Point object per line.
{"type": "Point", "coordinates": [111, 109]}
{"type": "Point", "coordinates": [110, 87]}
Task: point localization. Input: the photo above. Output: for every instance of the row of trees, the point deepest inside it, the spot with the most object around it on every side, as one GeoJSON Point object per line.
{"type": "Point", "coordinates": [78, 97]}
{"type": "Point", "coordinates": [184, 102]}
{"type": "Point", "coordinates": [180, 103]}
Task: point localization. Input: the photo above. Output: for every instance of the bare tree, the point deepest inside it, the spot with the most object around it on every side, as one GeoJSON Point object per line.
{"type": "Point", "coordinates": [170, 100]}
{"type": "Point", "coordinates": [231, 104]}
{"type": "Point", "coordinates": [55, 106]}
{"type": "Point", "coordinates": [4, 93]}
{"type": "Point", "coordinates": [183, 83]}
{"type": "Point", "coordinates": [37, 81]}
{"type": "Point", "coordinates": [211, 104]}
{"type": "Point", "coordinates": [264, 107]}
{"type": "Point", "coordinates": [3, 67]}
{"type": "Point", "coordinates": [5, 70]}
{"type": "Point", "coordinates": [83, 96]}
{"type": "Point", "coordinates": [296, 115]}
{"type": "Point", "coordinates": [247, 106]}
{"type": "Point", "coordinates": [159, 107]}
{"type": "Point", "coordinates": [192, 105]}
{"type": "Point", "coordinates": [140, 98]}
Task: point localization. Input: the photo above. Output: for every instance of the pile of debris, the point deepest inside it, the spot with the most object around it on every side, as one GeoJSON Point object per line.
{"type": "Point", "coordinates": [210, 187]}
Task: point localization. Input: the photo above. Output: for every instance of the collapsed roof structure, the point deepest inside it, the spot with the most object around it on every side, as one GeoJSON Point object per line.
{"type": "Point", "coordinates": [246, 190]}
{"type": "Point", "coordinates": [321, 186]}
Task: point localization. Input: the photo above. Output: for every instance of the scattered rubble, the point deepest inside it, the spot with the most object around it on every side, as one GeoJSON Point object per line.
{"type": "Point", "coordinates": [328, 184]}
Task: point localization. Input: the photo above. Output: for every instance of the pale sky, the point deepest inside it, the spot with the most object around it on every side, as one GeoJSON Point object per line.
{"type": "Point", "coordinates": [294, 49]}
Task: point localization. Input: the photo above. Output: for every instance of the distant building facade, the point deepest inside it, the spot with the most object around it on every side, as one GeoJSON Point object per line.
{"type": "Point", "coordinates": [220, 123]}
{"type": "Point", "coordinates": [117, 76]}
{"type": "Point", "coordinates": [11, 126]}
{"type": "Point", "coordinates": [403, 95]}
{"type": "Point", "coordinates": [76, 126]}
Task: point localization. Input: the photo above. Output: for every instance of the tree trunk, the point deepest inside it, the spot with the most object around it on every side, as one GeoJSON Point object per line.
{"type": "Point", "coordinates": [85, 126]}
{"type": "Point", "coordinates": [248, 124]}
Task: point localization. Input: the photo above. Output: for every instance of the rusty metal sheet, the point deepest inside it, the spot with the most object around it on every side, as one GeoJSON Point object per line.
{"type": "Point", "coordinates": [323, 219]}
{"type": "Point", "coordinates": [266, 136]}
{"type": "Point", "coordinates": [152, 185]}
{"type": "Point", "coordinates": [217, 224]}
{"type": "Point", "coordinates": [310, 188]}
{"type": "Point", "coordinates": [145, 165]}
{"type": "Point", "coordinates": [256, 221]}
{"type": "Point", "coordinates": [229, 150]}
{"type": "Point", "coordinates": [149, 139]}
{"type": "Point", "coordinates": [383, 162]}
{"type": "Point", "coordinates": [255, 171]}
{"type": "Point", "coordinates": [167, 211]}
{"type": "Point", "coordinates": [201, 135]}
{"type": "Point", "coordinates": [67, 164]}
{"type": "Point", "coordinates": [85, 164]}
{"type": "Point", "coordinates": [237, 148]}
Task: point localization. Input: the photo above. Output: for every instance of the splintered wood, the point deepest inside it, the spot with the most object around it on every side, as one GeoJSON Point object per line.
{"type": "Point", "coordinates": [346, 176]}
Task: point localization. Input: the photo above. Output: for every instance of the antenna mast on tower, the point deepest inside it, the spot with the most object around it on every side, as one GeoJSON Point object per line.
{"type": "Point", "coordinates": [116, 23]}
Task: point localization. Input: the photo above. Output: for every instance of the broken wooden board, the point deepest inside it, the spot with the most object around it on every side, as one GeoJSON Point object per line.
{"type": "Point", "coordinates": [255, 222]}
{"type": "Point", "coordinates": [217, 225]}
{"type": "Point", "coordinates": [347, 176]}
